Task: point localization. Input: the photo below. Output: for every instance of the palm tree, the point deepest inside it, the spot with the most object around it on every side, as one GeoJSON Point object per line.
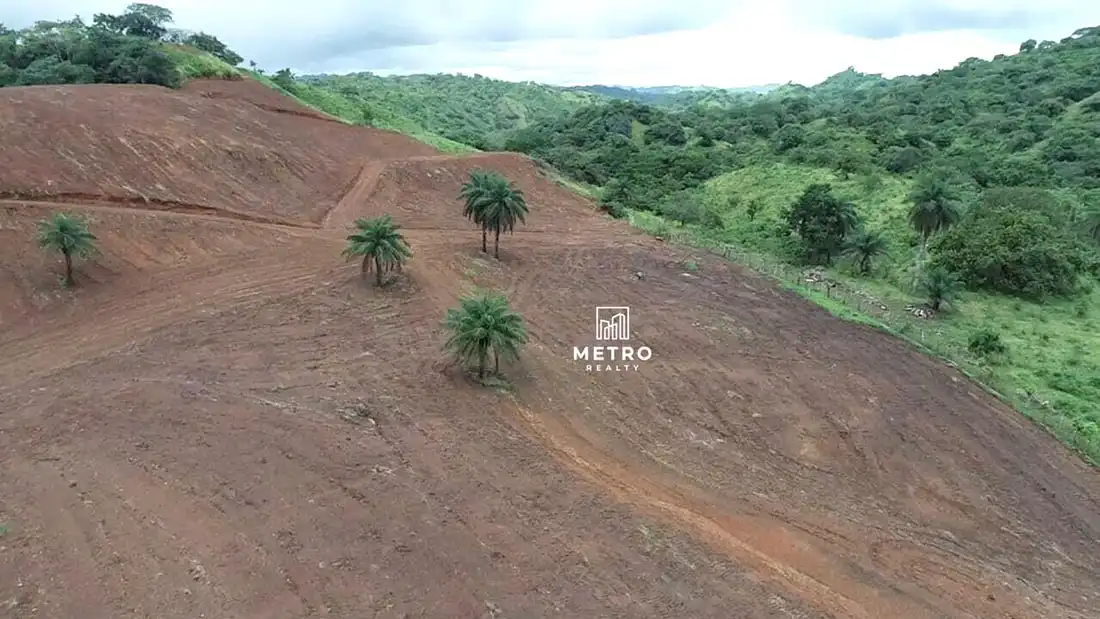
{"type": "Point", "coordinates": [378, 241]}
{"type": "Point", "coordinates": [472, 193]}
{"type": "Point", "coordinates": [68, 235]}
{"type": "Point", "coordinates": [940, 286]}
{"type": "Point", "coordinates": [849, 218]}
{"type": "Point", "coordinates": [934, 208]}
{"type": "Point", "coordinates": [495, 203]}
{"type": "Point", "coordinates": [483, 324]}
{"type": "Point", "coordinates": [865, 246]}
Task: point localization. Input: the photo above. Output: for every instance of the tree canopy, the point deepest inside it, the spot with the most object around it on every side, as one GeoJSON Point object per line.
{"type": "Point", "coordinates": [68, 235]}
{"type": "Point", "coordinates": [379, 244]}
{"type": "Point", "coordinates": [484, 326]}
{"type": "Point", "coordinates": [137, 47]}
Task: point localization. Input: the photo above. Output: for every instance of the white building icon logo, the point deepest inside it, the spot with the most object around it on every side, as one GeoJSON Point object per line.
{"type": "Point", "coordinates": [613, 323]}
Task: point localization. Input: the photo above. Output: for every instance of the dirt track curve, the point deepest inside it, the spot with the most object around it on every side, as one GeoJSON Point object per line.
{"type": "Point", "coordinates": [224, 420]}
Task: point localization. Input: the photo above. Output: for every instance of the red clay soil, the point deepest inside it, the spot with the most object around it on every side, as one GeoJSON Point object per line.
{"type": "Point", "coordinates": [183, 150]}
{"type": "Point", "coordinates": [224, 420]}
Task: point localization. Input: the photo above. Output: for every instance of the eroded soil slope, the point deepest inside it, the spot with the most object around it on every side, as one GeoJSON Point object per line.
{"type": "Point", "coordinates": [226, 421]}
{"type": "Point", "coordinates": [205, 146]}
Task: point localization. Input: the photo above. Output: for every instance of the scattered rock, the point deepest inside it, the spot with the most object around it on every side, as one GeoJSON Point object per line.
{"type": "Point", "coordinates": [921, 311]}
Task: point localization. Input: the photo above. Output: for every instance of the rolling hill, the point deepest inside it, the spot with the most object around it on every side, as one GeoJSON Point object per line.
{"type": "Point", "coordinates": [223, 418]}
{"type": "Point", "coordinates": [1020, 131]}
{"type": "Point", "coordinates": [209, 418]}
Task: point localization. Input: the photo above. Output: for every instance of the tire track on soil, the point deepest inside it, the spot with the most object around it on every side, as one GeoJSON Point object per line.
{"type": "Point", "coordinates": [726, 531]}
{"type": "Point", "coordinates": [130, 320]}
{"type": "Point", "coordinates": [343, 214]}
{"type": "Point", "coordinates": [159, 207]}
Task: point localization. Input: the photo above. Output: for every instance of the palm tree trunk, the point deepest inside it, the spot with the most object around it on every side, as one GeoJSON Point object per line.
{"type": "Point", "coordinates": [496, 245]}
{"type": "Point", "coordinates": [921, 256]}
{"type": "Point", "coordinates": [484, 239]}
{"type": "Point", "coordinates": [863, 266]}
{"type": "Point", "coordinates": [363, 267]}
{"type": "Point", "coordinates": [377, 271]}
{"type": "Point", "coordinates": [69, 269]}
{"type": "Point", "coordinates": [496, 361]}
{"type": "Point", "coordinates": [481, 365]}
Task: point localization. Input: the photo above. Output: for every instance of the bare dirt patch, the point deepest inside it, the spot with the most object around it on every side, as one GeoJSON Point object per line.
{"type": "Point", "coordinates": [148, 143]}
{"type": "Point", "coordinates": [226, 421]}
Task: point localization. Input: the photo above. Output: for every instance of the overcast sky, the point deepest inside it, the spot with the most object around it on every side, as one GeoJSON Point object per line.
{"type": "Point", "coordinates": [629, 42]}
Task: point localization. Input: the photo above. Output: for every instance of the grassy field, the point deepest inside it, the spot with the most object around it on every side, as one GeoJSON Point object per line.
{"type": "Point", "coordinates": [1051, 368]}
{"type": "Point", "coordinates": [194, 64]}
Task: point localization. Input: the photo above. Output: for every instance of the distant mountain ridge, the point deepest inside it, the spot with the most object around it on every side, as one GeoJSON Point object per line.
{"type": "Point", "coordinates": [656, 95]}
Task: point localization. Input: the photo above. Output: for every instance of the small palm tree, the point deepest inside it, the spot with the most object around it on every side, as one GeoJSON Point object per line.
{"type": "Point", "coordinates": [934, 208]}
{"type": "Point", "coordinates": [495, 203]}
{"type": "Point", "coordinates": [939, 286]}
{"type": "Point", "coordinates": [379, 242]}
{"type": "Point", "coordinates": [865, 246]}
{"type": "Point", "coordinates": [483, 324]}
{"type": "Point", "coordinates": [68, 235]}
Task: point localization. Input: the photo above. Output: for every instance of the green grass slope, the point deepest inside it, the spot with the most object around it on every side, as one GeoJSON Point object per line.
{"type": "Point", "coordinates": [1051, 370]}
{"type": "Point", "coordinates": [196, 64]}
{"type": "Point", "coordinates": [473, 110]}
{"type": "Point", "coordinates": [357, 111]}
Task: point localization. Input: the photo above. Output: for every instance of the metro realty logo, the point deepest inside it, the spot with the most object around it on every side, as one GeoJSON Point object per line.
{"type": "Point", "coordinates": [612, 325]}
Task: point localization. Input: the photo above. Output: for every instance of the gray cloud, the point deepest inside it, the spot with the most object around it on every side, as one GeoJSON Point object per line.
{"type": "Point", "coordinates": [573, 40]}
{"type": "Point", "coordinates": [937, 17]}
{"type": "Point", "coordinates": [381, 25]}
{"type": "Point", "coordinates": [886, 19]}
{"type": "Point", "coordinates": [291, 33]}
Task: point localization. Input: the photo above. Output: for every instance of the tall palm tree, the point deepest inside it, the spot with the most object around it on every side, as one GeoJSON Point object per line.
{"type": "Point", "coordinates": [472, 194]}
{"type": "Point", "coordinates": [378, 241]}
{"type": "Point", "coordinates": [483, 324]}
{"type": "Point", "coordinates": [495, 203]}
{"type": "Point", "coordinates": [70, 236]}
{"type": "Point", "coordinates": [935, 207]}
{"type": "Point", "coordinates": [865, 246]}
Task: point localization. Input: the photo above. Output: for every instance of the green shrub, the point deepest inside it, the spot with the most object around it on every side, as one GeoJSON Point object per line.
{"type": "Point", "coordinates": [985, 342]}
{"type": "Point", "coordinates": [1013, 248]}
{"type": "Point", "coordinates": [689, 207]}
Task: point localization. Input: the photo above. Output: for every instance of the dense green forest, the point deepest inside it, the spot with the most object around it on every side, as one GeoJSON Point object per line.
{"type": "Point", "coordinates": [136, 47]}
{"type": "Point", "coordinates": [673, 96]}
{"type": "Point", "coordinates": [965, 203]}
{"type": "Point", "coordinates": [489, 108]}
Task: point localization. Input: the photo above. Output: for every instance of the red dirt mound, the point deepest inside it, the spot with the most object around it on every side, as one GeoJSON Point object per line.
{"type": "Point", "coordinates": [182, 149]}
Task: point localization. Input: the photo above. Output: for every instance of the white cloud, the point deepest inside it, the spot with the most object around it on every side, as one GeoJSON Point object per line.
{"type": "Point", "coordinates": [635, 42]}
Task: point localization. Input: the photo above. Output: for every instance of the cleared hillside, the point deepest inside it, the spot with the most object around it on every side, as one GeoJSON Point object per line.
{"type": "Point", "coordinates": [237, 147]}
{"type": "Point", "coordinates": [421, 192]}
{"type": "Point", "coordinates": [224, 419]}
